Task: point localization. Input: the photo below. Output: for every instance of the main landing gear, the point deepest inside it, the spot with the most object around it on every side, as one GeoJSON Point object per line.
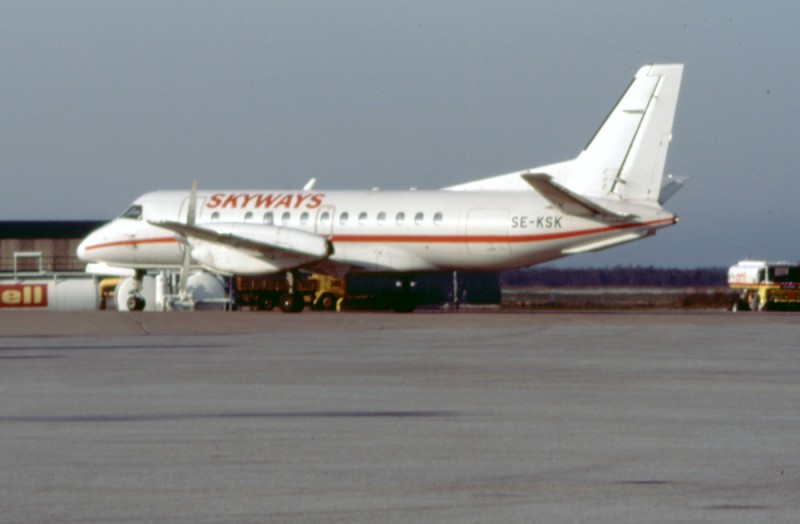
{"type": "Point", "coordinates": [292, 302]}
{"type": "Point", "coordinates": [405, 302]}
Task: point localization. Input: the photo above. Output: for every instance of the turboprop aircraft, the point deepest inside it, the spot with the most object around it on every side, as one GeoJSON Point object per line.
{"type": "Point", "coordinates": [610, 194]}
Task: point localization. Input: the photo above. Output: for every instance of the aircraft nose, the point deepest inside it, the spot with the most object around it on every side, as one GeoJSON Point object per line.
{"type": "Point", "coordinates": [81, 251]}
{"type": "Point", "coordinates": [84, 250]}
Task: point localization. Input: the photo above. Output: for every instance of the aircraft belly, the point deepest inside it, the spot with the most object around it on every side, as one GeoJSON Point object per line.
{"type": "Point", "coordinates": [383, 257]}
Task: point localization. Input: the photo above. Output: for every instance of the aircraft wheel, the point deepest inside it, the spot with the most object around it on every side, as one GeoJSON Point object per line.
{"type": "Point", "coordinates": [286, 303]}
{"type": "Point", "coordinates": [291, 303]}
{"type": "Point", "coordinates": [135, 303]}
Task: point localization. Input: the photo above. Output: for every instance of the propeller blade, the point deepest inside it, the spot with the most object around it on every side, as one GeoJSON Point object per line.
{"type": "Point", "coordinates": [192, 211]}
{"type": "Point", "coordinates": [187, 252]}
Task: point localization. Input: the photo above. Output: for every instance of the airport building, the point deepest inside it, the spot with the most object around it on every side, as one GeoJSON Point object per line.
{"type": "Point", "coordinates": [40, 270]}
{"type": "Point", "coordinates": [55, 243]}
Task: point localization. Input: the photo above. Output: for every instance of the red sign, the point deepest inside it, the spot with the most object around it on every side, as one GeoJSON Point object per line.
{"type": "Point", "coordinates": [23, 295]}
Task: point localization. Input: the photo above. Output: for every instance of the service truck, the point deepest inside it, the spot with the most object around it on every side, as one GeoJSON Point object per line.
{"type": "Point", "coordinates": [765, 285]}
{"type": "Point", "coordinates": [263, 293]}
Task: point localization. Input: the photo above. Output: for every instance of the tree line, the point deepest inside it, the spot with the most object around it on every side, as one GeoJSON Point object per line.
{"type": "Point", "coordinates": [619, 276]}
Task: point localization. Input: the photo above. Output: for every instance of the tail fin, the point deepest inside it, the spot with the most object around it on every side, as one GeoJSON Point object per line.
{"type": "Point", "coordinates": [625, 158]}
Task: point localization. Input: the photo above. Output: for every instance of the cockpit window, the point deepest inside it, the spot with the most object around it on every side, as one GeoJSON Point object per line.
{"type": "Point", "coordinates": [133, 213]}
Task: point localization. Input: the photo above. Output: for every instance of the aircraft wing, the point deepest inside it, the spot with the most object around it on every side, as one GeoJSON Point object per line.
{"type": "Point", "coordinates": [282, 247]}
{"type": "Point", "coordinates": [568, 201]}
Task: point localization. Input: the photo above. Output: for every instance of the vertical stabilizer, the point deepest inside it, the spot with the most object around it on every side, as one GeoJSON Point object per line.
{"type": "Point", "coordinates": [625, 158]}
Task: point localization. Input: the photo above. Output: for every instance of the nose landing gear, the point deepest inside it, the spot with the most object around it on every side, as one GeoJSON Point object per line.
{"type": "Point", "coordinates": [135, 300]}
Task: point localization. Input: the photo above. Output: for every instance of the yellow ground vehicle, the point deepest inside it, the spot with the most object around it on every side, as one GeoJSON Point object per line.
{"type": "Point", "coordinates": [108, 289]}
{"type": "Point", "coordinates": [266, 292]}
{"type": "Point", "coordinates": [765, 285]}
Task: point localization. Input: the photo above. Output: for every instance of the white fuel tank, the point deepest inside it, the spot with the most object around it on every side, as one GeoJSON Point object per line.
{"type": "Point", "coordinates": [53, 294]}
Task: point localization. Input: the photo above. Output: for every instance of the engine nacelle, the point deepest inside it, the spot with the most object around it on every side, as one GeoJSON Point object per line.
{"type": "Point", "coordinates": [283, 249]}
{"type": "Point", "coordinates": [299, 242]}
{"type": "Point", "coordinates": [228, 261]}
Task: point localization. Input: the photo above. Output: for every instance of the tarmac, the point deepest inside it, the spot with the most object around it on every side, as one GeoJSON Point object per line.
{"type": "Point", "coordinates": [468, 417]}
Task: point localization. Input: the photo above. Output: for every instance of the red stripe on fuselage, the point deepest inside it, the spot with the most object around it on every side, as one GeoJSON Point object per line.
{"type": "Point", "coordinates": [135, 242]}
{"type": "Point", "coordinates": [492, 238]}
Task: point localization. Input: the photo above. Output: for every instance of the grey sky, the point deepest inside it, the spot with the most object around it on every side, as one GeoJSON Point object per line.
{"type": "Point", "coordinates": [102, 101]}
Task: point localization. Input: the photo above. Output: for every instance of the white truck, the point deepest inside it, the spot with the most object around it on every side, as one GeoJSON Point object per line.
{"type": "Point", "coordinates": [765, 285]}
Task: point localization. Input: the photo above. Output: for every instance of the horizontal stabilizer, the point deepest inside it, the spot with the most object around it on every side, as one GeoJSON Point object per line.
{"type": "Point", "coordinates": [569, 202]}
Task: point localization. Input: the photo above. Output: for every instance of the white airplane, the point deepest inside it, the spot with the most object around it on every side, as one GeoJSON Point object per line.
{"type": "Point", "coordinates": [610, 194]}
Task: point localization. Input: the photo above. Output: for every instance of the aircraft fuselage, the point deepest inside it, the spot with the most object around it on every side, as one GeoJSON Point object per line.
{"type": "Point", "coordinates": [378, 231]}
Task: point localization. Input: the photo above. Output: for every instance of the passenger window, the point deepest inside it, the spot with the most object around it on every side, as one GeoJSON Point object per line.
{"type": "Point", "coordinates": [437, 219]}
{"type": "Point", "coordinates": [133, 213]}
{"type": "Point", "coordinates": [325, 218]}
{"type": "Point", "coordinates": [400, 219]}
{"type": "Point", "coordinates": [248, 217]}
{"type": "Point", "coordinates": [362, 218]}
{"type": "Point", "coordinates": [381, 218]}
{"type": "Point", "coordinates": [285, 218]}
{"type": "Point", "coordinates": [418, 218]}
{"type": "Point", "coordinates": [215, 216]}
{"type": "Point", "coordinates": [304, 218]}
{"type": "Point", "coordinates": [343, 218]}
{"type": "Point", "coordinates": [268, 218]}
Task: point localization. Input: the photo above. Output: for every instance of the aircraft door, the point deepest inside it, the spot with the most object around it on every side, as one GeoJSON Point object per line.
{"type": "Point", "coordinates": [487, 232]}
{"type": "Point", "coordinates": [324, 223]}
